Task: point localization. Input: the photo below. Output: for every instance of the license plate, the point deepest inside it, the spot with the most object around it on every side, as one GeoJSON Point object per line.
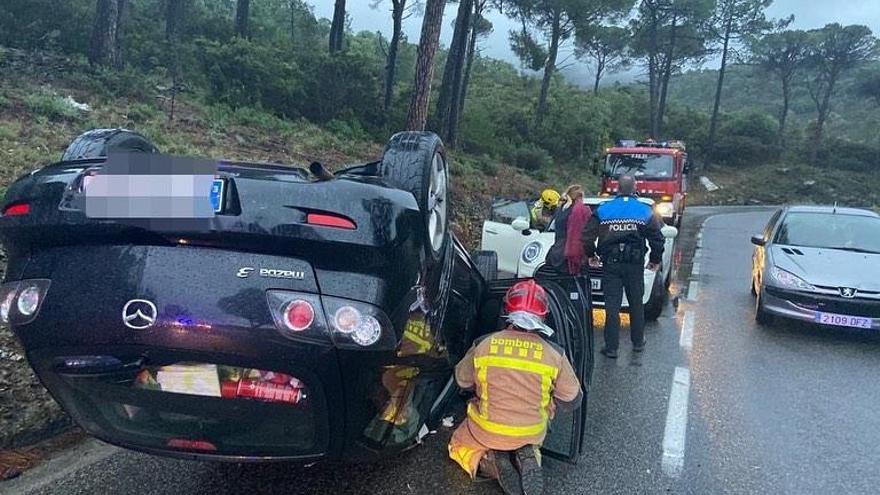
{"type": "Point", "coordinates": [217, 189]}
{"type": "Point", "coordinates": [843, 320]}
{"type": "Point", "coordinates": [596, 284]}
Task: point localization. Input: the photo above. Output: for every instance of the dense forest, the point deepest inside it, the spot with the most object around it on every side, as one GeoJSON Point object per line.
{"type": "Point", "coordinates": [277, 57]}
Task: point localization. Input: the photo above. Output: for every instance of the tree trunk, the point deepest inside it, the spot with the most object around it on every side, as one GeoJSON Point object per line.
{"type": "Point", "coordinates": [466, 79]}
{"type": "Point", "coordinates": [549, 68]}
{"type": "Point", "coordinates": [665, 76]}
{"type": "Point", "coordinates": [417, 116]}
{"type": "Point", "coordinates": [823, 107]}
{"type": "Point", "coordinates": [713, 125]}
{"type": "Point", "coordinates": [173, 17]}
{"type": "Point", "coordinates": [600, 68]}
{"type": "Point", "coordinates": [105, 38]}
{"type": "Point", "coordinates": [450, 89]}
{"type": "Point", "coordinates": [391, 60]}
{"type": "Point", "coordinates": [242, 18]}
{"type": "Point", "coordinates": [653, 85]}
{"type": "Point", "coordinates": [337, 27]}
{"type": "Point", "coordinates": [786, 102]}
{"type": "Point", "coordinates": [120, 26]}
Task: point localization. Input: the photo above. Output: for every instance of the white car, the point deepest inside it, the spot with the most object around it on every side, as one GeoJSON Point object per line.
{"type": "Point", "coordinates": [521, 251]}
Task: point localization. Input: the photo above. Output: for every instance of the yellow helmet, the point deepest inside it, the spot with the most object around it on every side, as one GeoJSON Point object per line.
{"type": "Point", "coordinates": [550, 198]}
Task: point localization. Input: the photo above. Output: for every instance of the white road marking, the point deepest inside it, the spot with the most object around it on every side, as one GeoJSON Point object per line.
{"type": "Point", "coordinates": [693, 290]}
{"type": "Point", "coordinates": [686, 341]}
{"type": "Point", "coordinates": [676, 424]}
{"type": "Point", "coordinates": [695, 268]}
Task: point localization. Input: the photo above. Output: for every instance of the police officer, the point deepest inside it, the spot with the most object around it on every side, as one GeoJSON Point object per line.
{"type": "Point", "coordinates": [621, 227]}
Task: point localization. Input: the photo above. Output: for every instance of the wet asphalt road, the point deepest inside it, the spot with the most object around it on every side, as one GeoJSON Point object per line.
{"type": "Point", "coordinates": [791, 409]}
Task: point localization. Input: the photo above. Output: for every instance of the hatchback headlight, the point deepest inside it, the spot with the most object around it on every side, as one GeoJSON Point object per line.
{"type": "Point", "coordinates": [789, 280]}
{"type": "Point", "coordinates": [531, 252]}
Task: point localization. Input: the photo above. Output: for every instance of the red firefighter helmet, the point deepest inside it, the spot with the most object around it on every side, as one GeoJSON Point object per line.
{"type": "Point", "coordinates": [526, 296]}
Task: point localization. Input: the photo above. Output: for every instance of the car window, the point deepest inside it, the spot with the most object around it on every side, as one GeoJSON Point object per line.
{"type": "Point", "coordinates": [642, 166]}
{"type": "Point", "coordinates": [768, 230]}
{"type": "Point", "coordinates": [506, 211]}
{"type": "Point", "coordinates": [830, 230]}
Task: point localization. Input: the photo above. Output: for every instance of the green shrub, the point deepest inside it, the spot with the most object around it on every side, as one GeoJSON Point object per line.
{"type": "Point", "coordinates": [50, 105]}
{"type": "Point", "coordinates": [849, 155]}
{"type": "Point", "coordinates": [243, 73]}
{"type": "Point", "coordinates": [530, 158]}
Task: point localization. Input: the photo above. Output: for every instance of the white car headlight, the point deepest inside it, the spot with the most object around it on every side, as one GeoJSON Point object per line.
{"type": "Point", "coordinates": [531, 252]}
{"type": "Point", "coordinates": [789, 280]}
{"type": "Point", "coordinates": [665, 209]}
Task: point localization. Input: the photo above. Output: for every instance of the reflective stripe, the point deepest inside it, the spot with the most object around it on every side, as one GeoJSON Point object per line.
{"type": "Point", "coordinates": [481, 417]}
{"type": "Point", "coordinates": [502, 429]}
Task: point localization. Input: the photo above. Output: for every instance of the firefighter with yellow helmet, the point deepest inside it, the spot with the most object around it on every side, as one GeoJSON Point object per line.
{"type": "Point", "coordinates": [518, 378]}
{"type": "Point", "coordinates": [545, 209]}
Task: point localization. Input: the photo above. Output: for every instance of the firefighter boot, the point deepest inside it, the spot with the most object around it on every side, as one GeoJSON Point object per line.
{"type": "Point", "coordinates": [530, 470]}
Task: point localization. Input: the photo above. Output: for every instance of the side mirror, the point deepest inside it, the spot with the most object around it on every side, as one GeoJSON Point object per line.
{"type": "Point", "coordinates": [758, 240]}
{"type": "Point", "coordinates": [521, 224]}
{"type": "Point", "coordinates": [669, 232]}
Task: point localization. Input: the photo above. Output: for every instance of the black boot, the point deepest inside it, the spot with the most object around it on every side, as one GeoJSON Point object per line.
{"type": "Point", "coordinates": [530, 471]}
{"type": "Point", "coordinates": [508, 475]}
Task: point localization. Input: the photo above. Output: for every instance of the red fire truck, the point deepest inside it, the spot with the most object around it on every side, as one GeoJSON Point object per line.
{"type": "Point", "coordinates": [660, 170]}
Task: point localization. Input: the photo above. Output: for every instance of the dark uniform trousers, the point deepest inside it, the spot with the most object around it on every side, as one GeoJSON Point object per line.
{"type": "Point", "coordinates": [617, 278]}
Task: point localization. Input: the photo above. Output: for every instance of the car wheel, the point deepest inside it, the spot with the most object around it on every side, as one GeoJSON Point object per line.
{"type": "Point", "coordinates": [656, 301]}
{"type": "Point", "coordinates": [98, 143]}
{"type": "Point", "coordinates": [762, 317]}
{"type": "Point", "coordinates": [416, 162]}
{"type": "Point", "coordinates": [487, 264]}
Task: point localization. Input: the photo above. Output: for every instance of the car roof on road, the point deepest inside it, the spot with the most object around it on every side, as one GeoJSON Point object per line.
{"type": "Point", "coordinates": [831, 209]}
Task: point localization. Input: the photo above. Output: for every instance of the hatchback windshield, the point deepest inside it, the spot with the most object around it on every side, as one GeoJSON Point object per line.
{"type": "Point", "coordinates": [642, 166]}
{"type": "Point", "coordinates": [829, 230]}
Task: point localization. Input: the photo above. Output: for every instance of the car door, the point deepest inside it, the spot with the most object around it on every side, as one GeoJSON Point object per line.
{"type": "Point", "coordinates": [571, 318]}
{"type": "Point", "coordinates": [500, 236]}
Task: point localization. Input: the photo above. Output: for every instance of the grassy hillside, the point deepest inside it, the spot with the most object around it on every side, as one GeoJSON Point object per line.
{"type": "Point", "coordinates": [747, 88]}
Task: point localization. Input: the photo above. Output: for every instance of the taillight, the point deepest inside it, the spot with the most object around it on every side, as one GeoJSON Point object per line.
{"type": "Point", "coordinates": [331, 321]}
{"type": "Point", "coordinates": [16, 210]}
{"type": "Point", "coordinates": [186, 444]}
{"type": "Point", "coordinates": [20, 301]}
{"type": "Point", "coordinates": [299, 315]}
{"type": "Point", "coordinates": [330, 220]}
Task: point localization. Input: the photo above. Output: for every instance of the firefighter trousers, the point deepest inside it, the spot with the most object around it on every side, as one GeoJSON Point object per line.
{"type": "Point", "coordinates": [618, 278]}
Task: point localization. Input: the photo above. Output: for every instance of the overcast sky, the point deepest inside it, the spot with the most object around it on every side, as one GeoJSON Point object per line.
{"type": "Point", "coordinates": [808, 14]}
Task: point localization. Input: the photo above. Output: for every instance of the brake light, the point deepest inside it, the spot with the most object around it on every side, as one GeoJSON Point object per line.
{"type": "Point", "coordinates": [183, 443]}
{"type": "Point", "coordinates": [330, 220]}
{"type": "Point", "coordinates": [17, 209]}
{"type": "Point", "coordinates": [299, 315]}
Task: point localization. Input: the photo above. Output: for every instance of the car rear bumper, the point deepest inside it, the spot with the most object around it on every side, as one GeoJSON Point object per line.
{"type": "Point", "coordinates": [804, 307]}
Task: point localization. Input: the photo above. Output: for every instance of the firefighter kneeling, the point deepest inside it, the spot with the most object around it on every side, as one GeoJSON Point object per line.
{"type": "Point", "coordinates": [518, 378]}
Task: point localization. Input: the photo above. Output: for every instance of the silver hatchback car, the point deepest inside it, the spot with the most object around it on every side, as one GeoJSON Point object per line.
{"type": "Point", "coordinates": [819, 264]}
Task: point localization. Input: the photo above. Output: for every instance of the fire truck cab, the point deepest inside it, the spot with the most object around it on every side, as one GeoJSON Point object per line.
{"type": "Point", "coordinates": [660, 170]}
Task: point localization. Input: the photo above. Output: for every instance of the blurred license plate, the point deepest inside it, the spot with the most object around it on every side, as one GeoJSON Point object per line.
{"type": "Point", "coordinates": [596, 284]}
{"type": "Point", "coordinates": [843, 320]}
{"type": "Point", "coordinates": [217, 189]}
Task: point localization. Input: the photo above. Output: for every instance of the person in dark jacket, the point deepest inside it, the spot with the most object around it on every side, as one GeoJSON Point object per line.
{"type": "Point", "coordinates": [618, 233]}
{"type": "Point", "coordinates": [567, 253]}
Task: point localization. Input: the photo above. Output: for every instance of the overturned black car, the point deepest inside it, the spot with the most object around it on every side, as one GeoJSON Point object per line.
{"type": "Point", "coordinates": [310, 316]}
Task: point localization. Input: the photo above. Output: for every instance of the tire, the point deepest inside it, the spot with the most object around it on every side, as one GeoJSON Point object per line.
{"type": "Point", "coordinates": [654, 307]}
{"type": "Point", "coordinates": [98, 143]}
{"type": "Point", "coordinates": [416, 162]}
{"type": "Point", "coordinates": [762, 317]}
{"type": "Point", "coordinates": [487, 264]}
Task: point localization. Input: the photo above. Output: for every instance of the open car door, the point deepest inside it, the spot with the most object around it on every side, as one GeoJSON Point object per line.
{"type": "Point", "coordinates": [500, 236]}
{"type": "Point", "coordinates": [571, 318]}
